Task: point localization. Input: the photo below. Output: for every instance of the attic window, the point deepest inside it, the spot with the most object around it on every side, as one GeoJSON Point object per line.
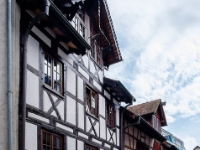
{"type": "Point", "coordinates": [156, 124]}
{"type": "Point", "coordinates": [78, 23]}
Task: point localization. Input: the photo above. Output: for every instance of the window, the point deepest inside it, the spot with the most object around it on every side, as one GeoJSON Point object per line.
{"type": "Point", "coordinates": [110, 115]}
{"type": "Point", "coordinates": [75, 23]}
{"type": "Point", "coordinates": [156, 124]}
{"type": "Point", "coordinates": [78, 23]}
{"type": "Point", "coordinates": [53, 75]}
{"type": "Point", "coordinates": [50, 141]}
{"type": "Point", "coordinates": [92, 102]}
{"type": "Point", "coordinates": [88, 147]}
{"type": "Point", "coordinates": [96, 52]}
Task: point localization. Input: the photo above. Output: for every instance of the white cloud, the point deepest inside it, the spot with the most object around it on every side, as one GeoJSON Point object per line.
{"type": "Point", "coordinates": [160, 45]}
{"type": "Point", "coordinates": [190, 142]}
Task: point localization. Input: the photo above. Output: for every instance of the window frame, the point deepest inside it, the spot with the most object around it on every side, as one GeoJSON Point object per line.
{"type": "Point", "coordinates": [110, 118]}
{"type": "Point", "coordinates": [156, 123]}
{"type": "Point", "coordinates": [92, 111]}
{"type": "Point", "coordinates": [61, 73]}
{"type": "Point", "coordinates": [77, 23]}
{"type": "Point", "coordinates": [51, 140]}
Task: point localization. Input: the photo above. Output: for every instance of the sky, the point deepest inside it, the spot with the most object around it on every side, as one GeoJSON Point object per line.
{"type": "Point", "coordinates": [160, 45]}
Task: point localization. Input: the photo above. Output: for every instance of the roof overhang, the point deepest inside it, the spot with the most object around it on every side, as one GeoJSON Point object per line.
{"type": "Point", "coordinates": [118, 90]}
{"type": "Point", "coordinates": [111, 51]}
{"type": "Point", "coordinates": [144, 126]}
{"type": "Point", "coordinates": [59, 24]}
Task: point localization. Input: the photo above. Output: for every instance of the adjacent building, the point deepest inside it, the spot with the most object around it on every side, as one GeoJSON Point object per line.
{"type": "Point", "coordinates": [173, 140]}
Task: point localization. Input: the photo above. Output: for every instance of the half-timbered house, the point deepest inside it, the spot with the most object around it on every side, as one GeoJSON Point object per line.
{"type": "Point", "coordinates": [66, 101]}
{"type": "Point", "coordinates": [142, 126]}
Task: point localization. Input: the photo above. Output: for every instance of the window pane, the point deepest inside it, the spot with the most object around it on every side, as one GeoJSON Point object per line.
{"type": "Point", "coordinates": [45, 59]}
{"type": "Point", "coordinates": [55, 65]}
{"type": "Point", "coordinates": [58, 78]}
{"type": "Point", "coordinates": [45, 69]}
{"type": "Point", "coordinates": [48, 139]}
{"type": "Point", "coordinates": [58, 87]}
{"type": "Point", "coordinates": [44, 147]}
{"type": "Point", "coordinates": [54, 76]}
{"type": "Point", "coordinates": [49, 61]}
{"type": "Point", "coordinates": [49, 71]}
{"type": "Point", "coordinates": [44, 138]}
{"type": "Point", "coordinates": [58, 67]}
{"type": "Point", "coordinates": [56, 142]}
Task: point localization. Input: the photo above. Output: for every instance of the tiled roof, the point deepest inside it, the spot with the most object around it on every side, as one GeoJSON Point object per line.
{"type": "Point", "coordinates": [145, 108]}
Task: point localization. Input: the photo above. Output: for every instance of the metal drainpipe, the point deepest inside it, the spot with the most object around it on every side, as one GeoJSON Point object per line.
{"type": "Point", "coordinates": [9, 72]}
{"type": "Point", "coordinates": [24, 66]}
{"type": "Point", "coordinates": [122, 129]}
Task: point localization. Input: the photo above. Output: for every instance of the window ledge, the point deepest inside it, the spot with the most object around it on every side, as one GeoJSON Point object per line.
{"type": "Point", "coordinates": [93, 116]}
{"type": "Point", "coordinates": [53, 91]}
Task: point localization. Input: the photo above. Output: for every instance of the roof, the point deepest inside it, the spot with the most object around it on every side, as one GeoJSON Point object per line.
{"type": "Point", "coordinates": [197, 148]}
{"type": "Point", "coordinates": [143, 125]}
{"type": "Point", "coordinates": [145, 108]}
{"type": "Point", "coordinates": [118, 89]}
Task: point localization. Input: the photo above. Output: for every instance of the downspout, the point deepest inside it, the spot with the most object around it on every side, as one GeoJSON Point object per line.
{"type": "Point", "coordinates": [9, 72]}
{"type": "Point", "coordinates": [122, 129]}
{"type": "Point", "coordinates": [133, 124]}
{"type": "Point", "coordinates": [24, 72]}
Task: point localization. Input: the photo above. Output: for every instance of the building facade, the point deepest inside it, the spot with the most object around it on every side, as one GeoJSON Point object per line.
{"type": "Point", "coordinates": [66, 101]}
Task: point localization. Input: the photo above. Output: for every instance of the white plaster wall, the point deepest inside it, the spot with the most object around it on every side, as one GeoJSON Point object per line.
{"type": "Point", "coordinates": [71, 110]}
{"type": "Point", "coordinates": [80, 116]}
{"type": "Point", "coordinates": [46, 101]}
{"type": "Point", "coordinates": [31, 136]}
{"type": "Point", "coordinates": [32, 95]}
{"type": "Point", "coordinates": [107, 94]}
{"type": "Point", "coordinates": [118, 137]}
{"type": "Point", "coordinates": [102, 128]}
{"type": "Point", "coordinates": [114, 138]}
{"type": "Point", "coordinates": [92, 67]}
{"type": "Point", "coordinates": [64, 127]}
{"type": "Point", "coordinates": [80, 89]}
{"type": "Point", "coordinates": [71, 81]}
{"type": "Point", "coordinates": [108, 134]}
{"type": "Point", "coordinates": [85, 60]}
{"type": "Point", "coordinates": [101, 75]}
{"type": "Point", "coordinates": [97, 85]}
{"type": "Point", "coordinates": [33, 52]}
{"type": "Point", "coordinates": [97, 128]}
{"type": "Point", "coordinates": [60, 109]}
{"type": "Point", "coordinates": [83, 72]}
{"type": "Point", "coordinates": [102, 105]}
{"type": "Point", "coordinates": [65, 56]}
{"type": "Point", "coordinates": [37, 117]}
{"type": "Point", "coordinates": [71, 143]}
{"type": "Point", "coordinates": [41, 35]}
{"type": "Point", "coordinates": [80, 145]}
{"type": "Point", "coordinates": [54, 114]}
{"type": "Point", "coordinates": [88, 125]}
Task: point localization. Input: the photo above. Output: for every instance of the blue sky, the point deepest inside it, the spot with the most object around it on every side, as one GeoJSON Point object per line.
{"type": "Point", "coordinates": [160, 45]}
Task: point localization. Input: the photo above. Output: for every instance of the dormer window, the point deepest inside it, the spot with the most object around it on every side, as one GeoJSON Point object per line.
{"type": "Point", "coordinates": [96, 52]}
{"type": "Point", "coordinates": [156, 123]}
{"type": "Point", "coordinates": [78, 23]}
